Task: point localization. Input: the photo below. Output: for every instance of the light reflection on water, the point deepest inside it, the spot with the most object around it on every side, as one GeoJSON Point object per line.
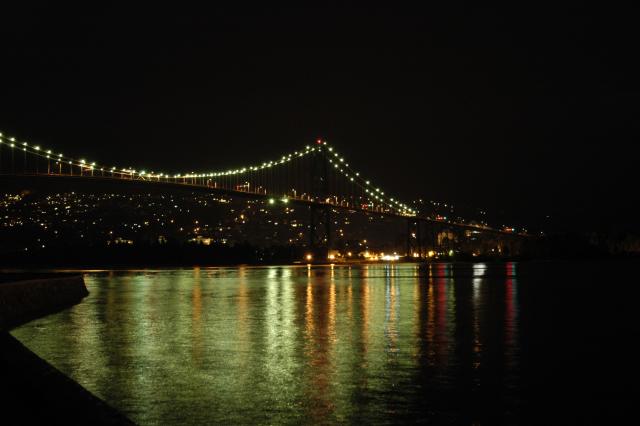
{"type": "Point", "coordinates": [364, 343]}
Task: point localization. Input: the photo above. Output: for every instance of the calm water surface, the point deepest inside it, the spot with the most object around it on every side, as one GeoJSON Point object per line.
{"type": "Point", "coordinates": [464, 343]}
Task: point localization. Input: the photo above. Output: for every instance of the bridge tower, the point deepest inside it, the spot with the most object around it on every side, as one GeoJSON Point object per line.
{"type": "Point", "coordinates": [415, 237]}
{"type": "Point", "coordinates": [320, 214]}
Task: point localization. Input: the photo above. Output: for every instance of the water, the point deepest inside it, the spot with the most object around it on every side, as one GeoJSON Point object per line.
{"type": "Point", "coordinates": [463, 344]}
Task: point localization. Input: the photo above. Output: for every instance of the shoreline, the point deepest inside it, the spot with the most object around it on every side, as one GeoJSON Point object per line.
{"type": "Point", "coordinates": [33, 391]}
{"type": "Point", "coordinates": [73, 267]}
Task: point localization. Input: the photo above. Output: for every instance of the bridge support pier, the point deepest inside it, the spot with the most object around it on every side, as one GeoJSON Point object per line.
{"type": "Point", "coordinates": [320, 240]}
{"type": "Point", "coordinates": [414, 238]}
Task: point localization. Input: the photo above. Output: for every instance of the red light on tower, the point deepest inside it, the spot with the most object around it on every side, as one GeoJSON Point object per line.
{"type": "Point", "coordinates": [319, 141]}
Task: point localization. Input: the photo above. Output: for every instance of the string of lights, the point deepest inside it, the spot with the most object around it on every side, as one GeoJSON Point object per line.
{"type": "Point", "coordinates": [338, 162]}
{"type": "Point", "coordinates": [335, 160]}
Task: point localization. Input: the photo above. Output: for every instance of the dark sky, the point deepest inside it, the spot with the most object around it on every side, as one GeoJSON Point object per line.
{"type": "Point", "coordinates": [526, 111]}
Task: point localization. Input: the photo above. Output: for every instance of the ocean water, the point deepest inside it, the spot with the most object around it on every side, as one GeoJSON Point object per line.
{"type": "Point", "coordinates": [464, 343]}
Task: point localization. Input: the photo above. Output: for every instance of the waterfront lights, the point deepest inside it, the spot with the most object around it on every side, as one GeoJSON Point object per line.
{"type": "Point", "coordinates": [272, 201]}
{"type": "Point", "coordinates": [309, 257]}
{"type": "Point", "coordinates": [389, 257]}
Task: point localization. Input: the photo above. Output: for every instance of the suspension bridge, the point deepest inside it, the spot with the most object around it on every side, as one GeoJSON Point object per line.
{"type": "Point", "coordinates": [316, 175]}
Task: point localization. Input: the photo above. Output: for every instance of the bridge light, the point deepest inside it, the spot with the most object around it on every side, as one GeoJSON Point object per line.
{"type": "Point", "coordinates": [37, 148]}
{"type": "Point", "coordinates": [285, 200]}
{"type": "Point", "coordinates": [82, 161]}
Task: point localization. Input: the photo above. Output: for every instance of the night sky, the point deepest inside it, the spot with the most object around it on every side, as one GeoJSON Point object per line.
{"type": "Point", "coordinates": [531, 112]}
